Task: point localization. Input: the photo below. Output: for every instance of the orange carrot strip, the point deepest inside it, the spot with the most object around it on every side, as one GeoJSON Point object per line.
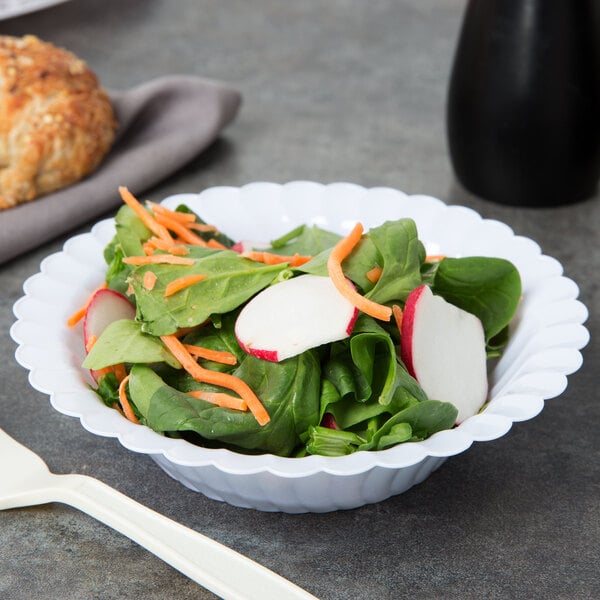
{"type": "Point", "coordinates": [90, 343]}
{"type": "Point", "coordinates": [212, 243]}
{"type": "Point", "coordinates": [374, 274]}
{"type": "Point", "coordinates": [156, 243]}
{"type": "Point", "coordinates": [398, 314]}
{"type": "Point", "coordinates": [148, 248]}
{"type": "Point", "coordinates": [179, 250]}
{"type": "Point", "coordinates": [269, 258]}
{"type": "Point", "coordinates": [181, 230]}
{"type": "Point", "coordinates": [182, 282]}
{"type": "Point", "coordinates": [159, 243]}
{"type": "Point", "coordinates": [172, 247]}
{"type": "Point", "coordinates": [157, 259]}
{"type": "Point", "coordinates": [119, 371]}
{"type": "Point", "coordinates": [220, 399]}
{"type": "Point", "coordinates": [159, 209]}
{"type": "Point", "coordinates": [205, 227]}
{"type": "Point", "coordinates": [79, 314]}
{"type": "Point", "coordinates": [188, 362]}
{"type": "Point", "coordinates": [334, 265]}
{"type": "Point", "coordinates": [220, 356]}
{"type": "Point", "coordinates": [149, 280]}
{"type": "Point", "coordinates": [147, 219]}
{"type": "Point", "coordinates": [434, 257]}
{"type": "Point", "coordinates": [124, 401]}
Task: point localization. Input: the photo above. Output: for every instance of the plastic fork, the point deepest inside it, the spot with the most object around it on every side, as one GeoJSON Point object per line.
{"type": "Point", "coordinates": [25, 480]}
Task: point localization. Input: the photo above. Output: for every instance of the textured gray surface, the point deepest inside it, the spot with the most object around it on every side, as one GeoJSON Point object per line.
{"type": "Point", "coordinates": [334, 90]}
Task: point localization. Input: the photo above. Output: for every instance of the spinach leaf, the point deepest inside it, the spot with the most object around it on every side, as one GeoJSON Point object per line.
{"type": "Point", "coordinates": [414, 423]}
{"type": "Point", "coordinates": [124, 342]}
{"type": "Point", "coordinates": [108, 389]}
{"type": "Point", "coordinates": [130, 233]}
{"type": "Point", "coordinates": [208, 235]}
{"type": "Point", "coordinates": [401, 254]}
{"type": "Point", "coordinates": [489, 288]}
{"type": "Point", "coordinates": [367, 376]}
{"type": "Point", "coordinates": [305, 240]}
{"type": "Point", "coordinates": [332, 442]}
{"type": "Point", "coordinates": [289, 391]}
{"type": "Point", "coordinates": [393, 246]}
{"type": "Point", "coordinates": [221, 338]}
{"type": "Point", "coordinates": [231, 281]}
{"type": "Point", "coordinates": [424, 418]}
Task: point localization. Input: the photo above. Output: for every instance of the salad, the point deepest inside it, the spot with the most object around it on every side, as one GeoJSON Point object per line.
{"type": "Point", "coordinates": [313, 343]}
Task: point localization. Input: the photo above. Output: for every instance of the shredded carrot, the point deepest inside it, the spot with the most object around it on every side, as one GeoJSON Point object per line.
{"type": "Point", "coordinates": [204, 227]}
{"type": "Point", "coordinates": [159, 209]}
{"type": "Point", "coordinates": [374, 274]}
{"type": "Point", "coordinates": [269, 258]}
{"type": "Point", "coordinates": [220, 399]}
{"type": "Point", "coordinates": [179, 250]}
{"type": "Point", "coordinates": [149, 280]}
{"type": "Point", "coordinates": [188, 362]}
{"type": "Point", "coordinates": [124, 401]}
{"type": "Point", "coordinates": [172, 247]}
{"type": "Point", "coordinates": [156, 259]}
{"type": "Point", "coordinates": [434, 257]}
{"type": "Point", "coordinates": [90, 343]}
{"type": "Point", "coordinates": [180, 229]}
{"type": "Point", "coordinates": [79, 314]}
{"type": "Point", "coordinates": [119, 371]}
{"type": "Point", "coordinates": [148, 248]}
{"type": "Point", "coordinates": [334, 265]}
{"type": "Point", "coordinates": [182, 282]}
{"type": "Point", "coordinates": [220, 356]}
{"type": "Point", "coordinates": [147, 219]}
{"type": "Point", "coordinates": [212, 243]}
{"type": "Point", "coordinates": [158, 243]}
{"type": "Point", "coordinates": [398, 314]}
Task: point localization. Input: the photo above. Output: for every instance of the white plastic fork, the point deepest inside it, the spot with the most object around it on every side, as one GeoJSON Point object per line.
{"type": "Point", "coordinates": [25, 480]}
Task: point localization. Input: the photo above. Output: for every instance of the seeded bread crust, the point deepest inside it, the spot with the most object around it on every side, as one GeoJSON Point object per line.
{"type": "Point", "coordinates": [56, 122]}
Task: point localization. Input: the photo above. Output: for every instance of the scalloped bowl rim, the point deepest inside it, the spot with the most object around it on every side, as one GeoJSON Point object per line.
{"type": "Point", "coordinates": [104, 421]}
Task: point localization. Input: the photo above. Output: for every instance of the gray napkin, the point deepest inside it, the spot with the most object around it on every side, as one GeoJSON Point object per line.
{"type": "Point", "coordinates": [163, 124]}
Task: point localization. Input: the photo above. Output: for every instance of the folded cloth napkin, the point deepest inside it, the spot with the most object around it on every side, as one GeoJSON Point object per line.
{"type": "Point", "coordinates": [163, 124]}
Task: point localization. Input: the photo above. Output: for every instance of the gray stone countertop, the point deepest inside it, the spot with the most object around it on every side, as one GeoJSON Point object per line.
{"type": "Point", "coordinates": [333, 90]}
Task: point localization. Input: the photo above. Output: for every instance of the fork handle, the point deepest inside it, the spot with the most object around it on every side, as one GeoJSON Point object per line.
{"type": "Point", "coordinates": [229, 574]}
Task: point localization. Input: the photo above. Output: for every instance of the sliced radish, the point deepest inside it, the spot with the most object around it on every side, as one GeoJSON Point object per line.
{"type": "Point", "coordinates": [104, 307]}
{"type": "Point", "coordinates": [293, 316]}
{"type": "Point", "coordinates": [443, 348]}
{"type": "Point", "coordinates": [329, 421]}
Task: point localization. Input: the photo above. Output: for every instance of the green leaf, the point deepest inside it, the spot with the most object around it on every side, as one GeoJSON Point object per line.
{"type": "Point", "coordinates": [489, 288]}
{"type": "Point", "coordinates": [124, 342]}
{"type": "Point", "coordinates": [231, 281]}
{"type": "Point", "coordinates": [401, 256]}
{"type": "Point", "coordinates": [424, 418]}
{"type": "Point", "coordinates": [219, 236]}
{"type": "Point", "coordinates": [332, 442]}
{"type": "Point", "coordinates": [305, 240]}
{"type": "Point", "coordinates": [288, 390]}
{"type": "Point", "coordinates": [108, 389]}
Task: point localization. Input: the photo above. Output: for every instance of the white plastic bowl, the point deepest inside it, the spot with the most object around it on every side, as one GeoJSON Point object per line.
{"type": "Point", "coordinates": [546, 337]}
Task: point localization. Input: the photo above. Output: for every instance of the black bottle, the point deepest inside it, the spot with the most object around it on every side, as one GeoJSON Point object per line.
{"type": "Point", "coordinates": [523, 113]}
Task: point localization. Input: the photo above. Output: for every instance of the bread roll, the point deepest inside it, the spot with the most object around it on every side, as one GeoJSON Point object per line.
{"type": "Point", "coordinates": [56, 122]}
